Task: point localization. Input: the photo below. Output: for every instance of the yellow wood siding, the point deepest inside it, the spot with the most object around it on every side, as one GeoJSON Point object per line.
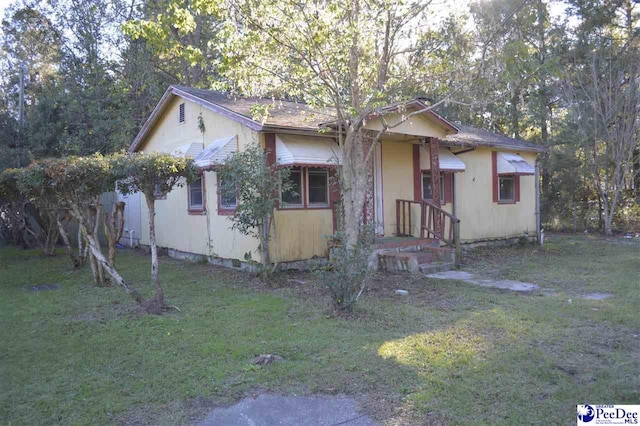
{"type": "Point", "coordinates": [176, 229]}
{"type": "Point", "coordinates": [397, 179]}
{"type": "Point", "coordinates": [302, 234]}
{"type": "Point", "coordinates": [418, 125]}
{"type": "Point", "coordinates": [480, 217]}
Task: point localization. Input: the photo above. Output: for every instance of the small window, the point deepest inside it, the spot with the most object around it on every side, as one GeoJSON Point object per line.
{"type": "Point", "coordinates": [293, 197]}
{"type": "Point", "coordinates": [318, 184]}
{"type": "Point", "coordinates": [506, 189]}
{"type": "Point", "coordinates": [228, 196]}
{"type": "Point", "coordinates": [427, 193]}
{"type": "Point", "coordinates": [181, 114]}
{"type": "Point", "coordinates": [196, 195]}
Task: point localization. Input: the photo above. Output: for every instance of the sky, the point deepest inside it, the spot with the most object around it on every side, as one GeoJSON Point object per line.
{"type": "Point", "coordinates": [3, 5]}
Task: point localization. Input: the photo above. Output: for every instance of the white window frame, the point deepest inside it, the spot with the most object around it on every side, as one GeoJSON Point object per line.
{"type": "Point", "coordinates": [201, 205]}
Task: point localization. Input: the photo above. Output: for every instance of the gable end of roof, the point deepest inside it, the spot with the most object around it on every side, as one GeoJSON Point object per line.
{"type": "Point", "coordinates": [167, 97]}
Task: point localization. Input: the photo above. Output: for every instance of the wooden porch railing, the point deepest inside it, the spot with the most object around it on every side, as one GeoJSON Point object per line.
{"type": "Point", "coordinates": [434, 223]}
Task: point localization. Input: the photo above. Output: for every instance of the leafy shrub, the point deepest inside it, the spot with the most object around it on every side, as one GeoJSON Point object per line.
{"type": "Point", "coordinates": [347, 273]}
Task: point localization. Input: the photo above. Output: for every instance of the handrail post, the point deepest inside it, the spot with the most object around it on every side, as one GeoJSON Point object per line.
{"type": "Point", "coordinates": [422, 218]}
{"type": "Point", "coordinates": [456, 237]}
{"type": "Point", "coordinates": [397, 218]}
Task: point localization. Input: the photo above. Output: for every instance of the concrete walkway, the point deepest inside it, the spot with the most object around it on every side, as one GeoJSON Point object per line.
{"type": "Point", "coordinates": [467, 277]}
{"type": "Point", "coordinates": [273, 410]}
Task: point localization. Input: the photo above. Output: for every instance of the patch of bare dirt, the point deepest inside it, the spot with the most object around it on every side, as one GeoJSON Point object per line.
{"type": "Point", "coordinates": [175, 412]}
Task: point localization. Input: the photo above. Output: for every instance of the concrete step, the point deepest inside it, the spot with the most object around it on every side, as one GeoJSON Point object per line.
{"type": "Point", "coordinates": [436, 267]}
{"type": "Point", "coordinates": [415, 261]}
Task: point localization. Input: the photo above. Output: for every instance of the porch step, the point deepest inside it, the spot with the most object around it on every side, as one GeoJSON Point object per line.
{"type": "Point", "coordinates": [430, 259]}
{"type": "Point", "coordinates": [404, 243]}
{"type": "Point", "coordinates": [436, 267]}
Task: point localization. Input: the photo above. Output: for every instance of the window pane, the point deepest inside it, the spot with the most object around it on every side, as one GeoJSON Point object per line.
{"type": "Point", "coordinates": [507, 192]}
{"type": "Point", "coordinates": [294, 195]}
{"type": "Point", "coordinates": [318, 187]}
{"type": "Point", "coordinates": [195, 194]}
{"type": "Point", "coordinates": [427, 194]}
{"type": "Point", "coordinates": [228, 197]}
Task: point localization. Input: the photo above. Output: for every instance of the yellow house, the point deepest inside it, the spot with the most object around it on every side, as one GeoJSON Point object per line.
{"type": "Point", "coordinates": [426, 176]}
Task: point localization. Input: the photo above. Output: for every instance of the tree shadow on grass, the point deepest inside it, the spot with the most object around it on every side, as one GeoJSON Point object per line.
{"type": "Point", "coordinates": [497, 367]}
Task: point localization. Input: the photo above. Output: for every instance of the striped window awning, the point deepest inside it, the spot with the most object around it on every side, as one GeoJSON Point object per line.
{"type": "Point", "coordinates": [513, 164]}
{"type": "Point", "coordinates": [216, 153]}
{"type": "Point", "coordinates": [448, 161]}
{"type": "Point", "coordinates": [294, 150]}
{"type": "Point", "coordinates": [188, 150]}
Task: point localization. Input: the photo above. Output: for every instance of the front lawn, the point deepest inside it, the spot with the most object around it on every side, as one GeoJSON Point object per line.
{"type": "Point", "coordinates": [449, 353]}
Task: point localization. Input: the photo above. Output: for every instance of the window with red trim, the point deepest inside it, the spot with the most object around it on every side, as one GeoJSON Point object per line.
{"type": "Point", "coordinates": [317, 187]}
{"type": "Point", "coordinates": [310, 188]}
{"type": "Point", "coordinates": [427, 192]}
{"type": "Point", "coordinates": [506, 189]}
{"type": "Point", "coordinates": [293, 196]}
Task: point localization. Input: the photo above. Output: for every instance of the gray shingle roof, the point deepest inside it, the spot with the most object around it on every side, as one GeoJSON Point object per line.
{"type": "Point", "coordinates": [281, 113]}
{"type": "Point", "coordinates": [299, 116]}
{"type": "Point", "coordinates": [473, 136]}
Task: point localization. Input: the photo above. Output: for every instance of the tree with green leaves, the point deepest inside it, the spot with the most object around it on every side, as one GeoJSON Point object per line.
{"type": "Point", "coordinates": [353, 57]}
{"type": "Point", "coordinates": [154, 175]}
{"type": "Point", "coordinates": [256, 186]}
{"type": "Point", "coordinates": [31, 183]}
{"type": "Point", "coordinates": [182, 39]}
{"type": "Point", "coordinates": [12, 209]}
{"type": "Point", "coordinates": [78, 182]}
{"type": "Point", "coordinates": [604, 107]}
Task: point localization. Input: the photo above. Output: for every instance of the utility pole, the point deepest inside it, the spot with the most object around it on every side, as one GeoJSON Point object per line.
{"type": "Point", "coordinates": [21, 102]}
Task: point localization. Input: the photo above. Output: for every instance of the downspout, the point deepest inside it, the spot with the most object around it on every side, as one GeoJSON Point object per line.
{"type": "Point", "coordinates": [538, 219]}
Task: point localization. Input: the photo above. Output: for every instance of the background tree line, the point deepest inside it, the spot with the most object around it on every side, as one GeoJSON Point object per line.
{"type": "Point", "coordinates": [93, 71]}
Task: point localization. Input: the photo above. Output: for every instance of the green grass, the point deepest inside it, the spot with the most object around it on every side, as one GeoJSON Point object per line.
{"type": "Point", "coordinates": [450, 353]}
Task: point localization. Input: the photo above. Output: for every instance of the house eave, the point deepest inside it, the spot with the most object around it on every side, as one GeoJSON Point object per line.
{"type": "Point", "coordinates": [473, 146]}
{"type": "Point", "coordinates": [250, 123]}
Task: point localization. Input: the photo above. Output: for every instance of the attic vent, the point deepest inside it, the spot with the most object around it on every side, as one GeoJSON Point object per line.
{"type": "Point", "coordinates": [182, 113]}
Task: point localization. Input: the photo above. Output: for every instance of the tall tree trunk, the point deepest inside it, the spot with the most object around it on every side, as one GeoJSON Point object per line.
{"type": "Point", "coordinates": [264, 243]}
{"type": "Point", "coordinates": [82, 247]}
{"type": "Point", "coordinates": [158, 299]}
{"type": "Point", "coordinates": [515, 112]}
{"type": "Point", "coordinates": [75, 262]}
{"type": "Point", "coordinates": [607, 215]}
{"type": "Point", "coordinates": [113, 228]}
{"type": "Point", "coordinates": [354, 176]}
{"type": "Point", "coordinates": [600, 220]}
{"type": "Point", "coordinates": [96, 252]}
{"type": "Point", "coordinates": [102, 281]}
